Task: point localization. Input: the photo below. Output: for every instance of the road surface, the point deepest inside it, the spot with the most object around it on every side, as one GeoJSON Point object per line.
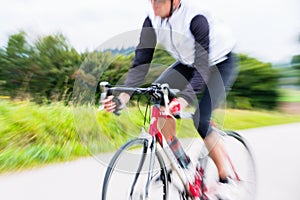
{"type": "Point", "coordinates": [276, 151]}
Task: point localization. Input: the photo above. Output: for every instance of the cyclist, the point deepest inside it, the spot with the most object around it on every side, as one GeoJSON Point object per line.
{"type": "Point", "coordinates": [202, 47]}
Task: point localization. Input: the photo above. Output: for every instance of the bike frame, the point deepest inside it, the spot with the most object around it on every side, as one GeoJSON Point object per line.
{"type": "Point", "coordinates": [158, 142]}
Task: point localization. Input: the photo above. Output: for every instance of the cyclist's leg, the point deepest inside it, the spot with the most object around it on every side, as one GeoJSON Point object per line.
{"type": "Point", "coordinates": [167, 125]}
{"type": "Point", "coordinates": [177, 76]}
{"type": "Point", "coordinates": [221, 79]}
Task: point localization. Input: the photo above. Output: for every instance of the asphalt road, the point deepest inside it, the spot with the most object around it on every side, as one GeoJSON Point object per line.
{"type": "Point", "coordinates": [276, 151]}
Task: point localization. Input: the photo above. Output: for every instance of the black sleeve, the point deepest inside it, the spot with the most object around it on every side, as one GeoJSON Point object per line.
{"type": "Point", "coordinates": [143, 55]}
{"type": "Point", "coordinates": [200, 29]}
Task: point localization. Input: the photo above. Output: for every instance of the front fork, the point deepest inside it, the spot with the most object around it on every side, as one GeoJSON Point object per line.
{"type": "Point", "coordinates": [151, 166]}
{"type": "Point", "coordinates": [149, 143]}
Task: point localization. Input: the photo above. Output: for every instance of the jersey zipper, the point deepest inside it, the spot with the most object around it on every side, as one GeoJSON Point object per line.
{"type": "Point", "coordinates": [172, 41]}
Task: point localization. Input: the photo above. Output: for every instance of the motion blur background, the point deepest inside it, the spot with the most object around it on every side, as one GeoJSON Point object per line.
{"type": "Point", "coordinates": [45, 44]}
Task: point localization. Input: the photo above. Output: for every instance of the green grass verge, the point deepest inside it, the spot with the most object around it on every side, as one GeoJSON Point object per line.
{"type": "Point", "coordinates": [33, 135]}
{"type": "Point", "coordinates": [242, 119]}
{"type": "Point", "coordinates": [289, 95]}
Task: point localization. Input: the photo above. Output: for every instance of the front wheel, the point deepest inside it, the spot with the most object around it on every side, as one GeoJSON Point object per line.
{"type": "Point", "coordinates": [127, 174]}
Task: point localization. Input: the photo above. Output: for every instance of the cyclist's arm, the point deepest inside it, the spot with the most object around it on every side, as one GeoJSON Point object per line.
{"type": "Point", "coordinates": [200, 29]}
{"type": "Point", "coordinates": [143, 55]}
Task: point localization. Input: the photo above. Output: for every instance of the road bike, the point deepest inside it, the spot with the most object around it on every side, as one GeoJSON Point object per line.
{"type": "Point", "coordinates": [146, 168]}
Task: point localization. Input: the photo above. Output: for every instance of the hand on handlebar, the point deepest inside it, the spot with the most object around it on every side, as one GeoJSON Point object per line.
{"type": "Point", "coordinates": [115, 104]}
{"type": "Point", "coordinates": [176, 106]}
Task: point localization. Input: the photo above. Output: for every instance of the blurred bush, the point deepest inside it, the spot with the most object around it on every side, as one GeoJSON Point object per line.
{"type": "Point", "coordinates": [45, 71]}
{"type": "Point", "coordinates": [256, 85]}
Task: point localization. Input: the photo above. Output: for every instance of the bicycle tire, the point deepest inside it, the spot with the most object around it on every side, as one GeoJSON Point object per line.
{"type": "Point", "coordinates": [241, 168]}
{"type": "Point", "coordinates": [241, 158]}
{"type": "Point", "coordinates": [133, 148]}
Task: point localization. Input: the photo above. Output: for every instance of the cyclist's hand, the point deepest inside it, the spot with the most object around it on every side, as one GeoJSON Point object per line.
{"type": "Point", "coordinates": [176, 106]}
{"type": "Point", "coordinates": [113, 104]}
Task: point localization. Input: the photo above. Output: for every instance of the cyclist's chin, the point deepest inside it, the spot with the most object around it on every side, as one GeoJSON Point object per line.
{"type": "Point", "coordinates": [159, 13]}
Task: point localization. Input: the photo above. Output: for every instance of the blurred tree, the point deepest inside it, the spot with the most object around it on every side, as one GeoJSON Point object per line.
{"type": "Point", "coordinates": [40, 72]}
{"type": "Point", "coordinates": [3, 63]}
{"type": "Point", "coordinates": [296, 63]}
{"type": "Point", "coordinates": [48, 69]}
{"type": "Point", "coordinates": [162, 57]}
{"type": "Point", "coordinates": [56, 61]}
{"type": "Point", "coordinates": [256, 85]}
{"type": "Point", "coordinates": [161, 61]}
{"type": "Point", "coordinates": [94, 68]}
{"type": "Point", "coordinates": [119, 66]}
{"type": "Point", "coordinates": [16, 65]}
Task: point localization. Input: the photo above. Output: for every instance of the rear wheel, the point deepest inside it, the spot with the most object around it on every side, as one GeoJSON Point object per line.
{"type": "Point", "coordinates": [240, 164]}
{"type": "Point", "coordinates": [127, 174]}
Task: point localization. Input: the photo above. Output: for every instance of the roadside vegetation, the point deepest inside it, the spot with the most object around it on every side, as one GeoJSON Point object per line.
{"type": "Point", "coordinates": [33, 135]}
{"type": "Point", "coordinates": [48, 91]}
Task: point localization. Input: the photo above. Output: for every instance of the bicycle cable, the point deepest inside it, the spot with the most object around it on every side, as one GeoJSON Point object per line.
{"type": "Point", "coordinates": [147, 108]}
{"type": "Point", "coordinates": [147, 111]}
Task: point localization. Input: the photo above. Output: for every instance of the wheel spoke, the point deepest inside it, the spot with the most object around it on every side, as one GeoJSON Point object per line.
{"type": "Point", "coordinates": [128, 177]}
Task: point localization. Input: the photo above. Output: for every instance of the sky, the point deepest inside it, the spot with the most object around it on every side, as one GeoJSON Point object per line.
{"type": "Point", "coordinates": [265, 29]}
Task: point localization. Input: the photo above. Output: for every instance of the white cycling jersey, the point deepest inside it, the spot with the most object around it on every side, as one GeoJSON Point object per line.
{"type": "Point", "coordinates": [175, 36]}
